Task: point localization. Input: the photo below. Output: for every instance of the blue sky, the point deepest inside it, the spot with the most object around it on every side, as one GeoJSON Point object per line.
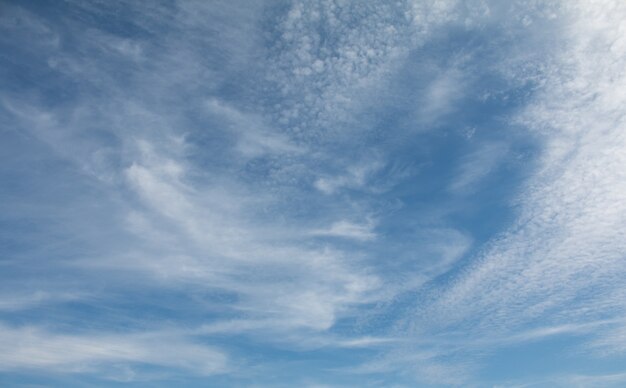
{"type": "Point", "coordinates": [317, 194]}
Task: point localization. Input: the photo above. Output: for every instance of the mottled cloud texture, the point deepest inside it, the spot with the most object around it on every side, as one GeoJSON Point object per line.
{"type": "Point", "coordinates": [315, 193]}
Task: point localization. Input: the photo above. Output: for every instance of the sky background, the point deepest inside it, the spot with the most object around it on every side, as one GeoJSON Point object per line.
{"type": "Point", "coordinates": [314, 194]}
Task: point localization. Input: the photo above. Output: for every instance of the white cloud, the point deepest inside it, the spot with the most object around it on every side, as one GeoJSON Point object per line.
{"type": "Point", "coordinates": [324, 80]}
{"type": "Point", "coordinates": [423, 365]}
{"type": "Point", "coordinates": [441, 96]}
{"type": "Point", "coordinates": [16, 301]}
{"type": "Point", "coordinates": [478, 165]}
{"type": "Point", "coordinates": [356, 177]}
{"type": "Point", "coordinates": [254, 138]}
{"type": "Point", "coordinates": [225, 205]}
{"type": "Point", "coordinates": [29, 347]}
{"type": "Point", "coordinates": [183, 225]}
{"type": "Point", "coordinates": [39, 33]}
{"type": "Point", "coordinates": [350, 230]}
{"type": "Point", "coordinates": [578, 380]}
{"type": "Point", "coordinates": [563, 258]}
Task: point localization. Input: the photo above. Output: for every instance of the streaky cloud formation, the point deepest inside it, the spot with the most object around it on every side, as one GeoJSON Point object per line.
{"type": "Point", "coordinates": [323, 193]}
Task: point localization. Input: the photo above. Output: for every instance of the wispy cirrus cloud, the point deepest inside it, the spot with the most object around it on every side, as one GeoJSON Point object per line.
{"type": "Point", "coordinates": [193, 185]}
{"type": "Point", "coordinates": [29, 348]}
{"type": "Point", "coordinates": [478, 165]}
{"type": "Point", "coordinates": [562, 260]}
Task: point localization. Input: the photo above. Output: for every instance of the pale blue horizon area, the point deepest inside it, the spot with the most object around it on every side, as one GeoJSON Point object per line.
{"type": "Point", "coordinates": [313, 194]}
